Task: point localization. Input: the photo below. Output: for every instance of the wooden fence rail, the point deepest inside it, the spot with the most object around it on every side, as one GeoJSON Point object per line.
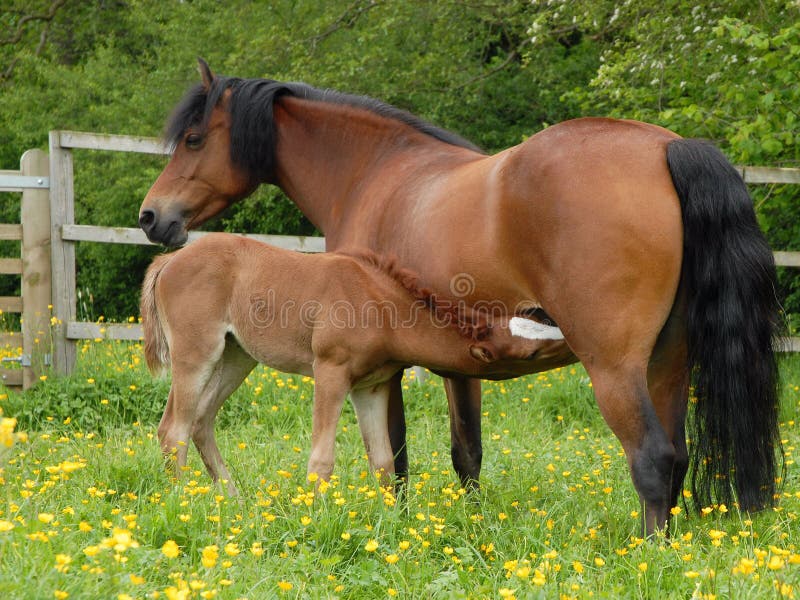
{"type": "Point", "coordinates": [48, 234]}
{"type": "Point", "coordinates": [129, 235]}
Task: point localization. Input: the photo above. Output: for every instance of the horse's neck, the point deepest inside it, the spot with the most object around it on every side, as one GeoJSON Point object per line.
{"type": "Point", "coordinates": [327, 154]}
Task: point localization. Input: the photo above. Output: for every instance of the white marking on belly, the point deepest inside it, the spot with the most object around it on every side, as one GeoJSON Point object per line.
{"type": "Point", "coordinates": [533, 330]}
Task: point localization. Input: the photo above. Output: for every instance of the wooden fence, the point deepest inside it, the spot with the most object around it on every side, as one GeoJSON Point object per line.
{"type": "Point", "coordinates": [33, 233]}
{"type": "Point", "coordinates": [48, 233]}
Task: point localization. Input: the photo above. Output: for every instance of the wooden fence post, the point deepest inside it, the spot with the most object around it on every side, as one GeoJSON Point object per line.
{"type": "Point", "coordinates": [35, 219]}
{"type": "Point", "coordinates": [62, 212]}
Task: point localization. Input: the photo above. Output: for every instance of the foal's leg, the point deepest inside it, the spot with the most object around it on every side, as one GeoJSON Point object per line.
{"type": "Point", "coordinates": [230, 371]}
{"type": "Point", "coordinates": [371, 405]}
{"type": "Point", "coordinates": [173, 438]}
{"type": "Point", "coordinates": [193, 369]}
{"type": "Point", "coordinates": [330, 388]}
{"type": "Point", "coordinates": [464, 401]}
{"type": "Point", "coordinates": [175, 428]}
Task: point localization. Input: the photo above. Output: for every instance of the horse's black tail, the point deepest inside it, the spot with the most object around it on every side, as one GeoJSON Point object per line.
{"type": "Point", "coordinates": [734, 320]}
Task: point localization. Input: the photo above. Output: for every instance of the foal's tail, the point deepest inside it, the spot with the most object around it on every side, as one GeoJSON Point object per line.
{"type": "Point", "coordinates": [733, 322]}
{"type": "Point", "coordinates": [156, 349]}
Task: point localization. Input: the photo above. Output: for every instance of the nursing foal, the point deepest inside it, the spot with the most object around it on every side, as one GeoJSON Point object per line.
{"type": "Point", "coordinates": [219, 306]}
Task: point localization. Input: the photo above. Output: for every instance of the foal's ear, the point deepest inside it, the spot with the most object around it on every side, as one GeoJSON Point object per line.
{"type": "Point", "coordinates": [482, 352]}
{"type": "Point", "coordinates": [205, 73]}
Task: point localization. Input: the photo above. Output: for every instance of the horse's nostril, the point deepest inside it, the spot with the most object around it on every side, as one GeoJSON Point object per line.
{"type": "Point", "coordinates": [146, 219]}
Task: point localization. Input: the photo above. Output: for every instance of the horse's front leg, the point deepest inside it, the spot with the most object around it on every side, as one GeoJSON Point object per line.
{"type": "Point", "coordinates": [397, 426]}
{"type": "Point", "coordinates": [464, 400]}
{"type": "Point", "coordinates": [372, 409]}
{"type": "Point", "coordinates": [331, 384]}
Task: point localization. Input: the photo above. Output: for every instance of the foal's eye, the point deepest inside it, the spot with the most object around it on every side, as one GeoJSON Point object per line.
{"type": "Point", "coordinates": [194, 141]}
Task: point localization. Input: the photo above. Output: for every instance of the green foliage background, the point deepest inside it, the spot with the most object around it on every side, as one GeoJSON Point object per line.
{"type": "Point", "coordinates": [494, 71]}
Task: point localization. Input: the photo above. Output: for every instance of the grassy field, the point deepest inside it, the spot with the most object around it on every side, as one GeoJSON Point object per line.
{"type": "Point", "coordinates": [87, 511]}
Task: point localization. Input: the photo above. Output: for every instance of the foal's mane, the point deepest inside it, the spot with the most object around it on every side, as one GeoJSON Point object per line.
{"type": "Point", "coordinates": [471, 323]}
{"type": "Point", "coordinates": [251, 109]}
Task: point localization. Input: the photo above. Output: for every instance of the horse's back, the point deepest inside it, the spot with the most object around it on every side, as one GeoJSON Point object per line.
{"type": "Point", "coordinates": [588, 163]}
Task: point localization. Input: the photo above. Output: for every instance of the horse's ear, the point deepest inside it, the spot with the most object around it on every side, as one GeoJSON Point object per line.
{"type": "Point", "coordinates": [205, 73]}
{"type": "Point", "coordinates": [482, 352]}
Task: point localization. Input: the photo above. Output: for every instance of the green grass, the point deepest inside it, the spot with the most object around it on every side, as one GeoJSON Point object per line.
{"type": "Point", "coordinates": [86, 507]}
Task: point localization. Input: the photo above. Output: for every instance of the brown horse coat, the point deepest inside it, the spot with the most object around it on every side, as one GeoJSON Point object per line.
{"type": "Point", "coordinates": [642, 246]}
{"type": "Point", "coordinates": [214, 309]}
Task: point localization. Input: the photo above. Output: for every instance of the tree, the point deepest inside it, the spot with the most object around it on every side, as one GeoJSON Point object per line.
{"type": "Point", "coordinates": [495, 71]}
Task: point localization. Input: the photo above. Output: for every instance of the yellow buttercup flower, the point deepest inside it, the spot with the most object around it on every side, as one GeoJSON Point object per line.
{"type": "Point", "coordinates": [209, 556]}
{"type": "Point", "coordinates": [170, 549]}
{"type": "Point", "coordinates": [775, 563]}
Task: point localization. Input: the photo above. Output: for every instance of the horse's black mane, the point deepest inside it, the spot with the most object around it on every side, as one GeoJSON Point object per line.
{"type": "Point", "coordinates": [252, 126]}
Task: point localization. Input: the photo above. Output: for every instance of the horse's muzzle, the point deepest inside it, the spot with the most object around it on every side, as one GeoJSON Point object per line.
{"type": "Point", "coordinates": [168, 231]}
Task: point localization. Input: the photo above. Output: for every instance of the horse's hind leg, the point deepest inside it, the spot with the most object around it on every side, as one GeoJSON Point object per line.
{"type": "Point", "coordinates": [624, 401]}
{"type": "Point", "coordinates": [229, 372]}
{"type": "Point", "coordinates": [668, 383]}
{"type": "Point", "coordinates": [639, 375]}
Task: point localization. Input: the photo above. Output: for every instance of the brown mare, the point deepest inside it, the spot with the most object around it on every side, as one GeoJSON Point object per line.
{"type": "Point", "coordinates": [214, 309]}
{"type": "Point", "coordinates": [643, 247]}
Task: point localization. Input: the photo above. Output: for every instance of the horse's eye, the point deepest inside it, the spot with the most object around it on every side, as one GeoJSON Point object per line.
{"type": "Point", "coordinates": [194, 141]}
